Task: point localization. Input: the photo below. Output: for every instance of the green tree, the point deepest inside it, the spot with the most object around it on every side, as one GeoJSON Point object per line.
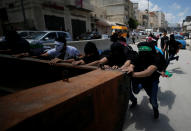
{"type": "Point", "coordinates": [133, 23]}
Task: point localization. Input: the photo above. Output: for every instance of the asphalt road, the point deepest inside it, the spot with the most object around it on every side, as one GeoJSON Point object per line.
{"type": "Point", "coordinates": [174, 99]}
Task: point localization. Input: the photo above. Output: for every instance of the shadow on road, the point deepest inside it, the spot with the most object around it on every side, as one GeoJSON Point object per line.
{"type": "Point", "coordinates": [177, 71]}
{"type": "Point", "coordinates": [166, 98]}
{"type": "Point", "coordinates": [142, 117]}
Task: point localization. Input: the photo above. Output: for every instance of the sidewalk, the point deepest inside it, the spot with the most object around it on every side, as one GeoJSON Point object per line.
{"type": "Point", "coordinates": [174, 101]}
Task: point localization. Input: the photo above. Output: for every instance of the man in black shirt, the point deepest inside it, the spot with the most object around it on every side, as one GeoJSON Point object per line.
{"type": "Point", "coordinates": [164, 41]}
{"type": "Point", "coordinates": [16, 45]}
{"type": "Point", "coordinates": [121, 57]}
{"type": "Point", "coordinates": [174, 47]}
{"type": "Point", "coordinates": [146, 74]}
{"type": "Point", "coordinates": [91, 55]}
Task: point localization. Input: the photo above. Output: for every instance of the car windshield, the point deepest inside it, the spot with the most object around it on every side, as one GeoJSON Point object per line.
{"type": "Point", "coordinates": [178, 38]}
{"type": "Point", "coordinates": [23, 34]}
{"type": "Point", "coordinates": [36, 35]}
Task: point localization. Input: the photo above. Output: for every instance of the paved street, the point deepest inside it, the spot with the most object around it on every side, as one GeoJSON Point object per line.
{"type": "Point", "coordinates": [174, 98]}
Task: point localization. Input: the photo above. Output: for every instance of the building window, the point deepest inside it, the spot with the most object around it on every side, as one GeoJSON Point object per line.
{"type": "Point", "coordinates": [78, 27]}
{"type": "Point", "coordinates": [11, 5]}
{"type": "Point", "coordinates": [54, 22]}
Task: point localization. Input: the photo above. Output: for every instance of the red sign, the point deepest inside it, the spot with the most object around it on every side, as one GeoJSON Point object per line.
{"type": "Point", "coordinates": [79, 3]}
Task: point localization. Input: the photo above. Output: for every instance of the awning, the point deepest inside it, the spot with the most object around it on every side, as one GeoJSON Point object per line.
{"type": "Point", "coordinates": [186, 23]}
{"type": "Point", "coordinates": [188, 28]}
{"type": "Point", "coordinates": [104, 22]}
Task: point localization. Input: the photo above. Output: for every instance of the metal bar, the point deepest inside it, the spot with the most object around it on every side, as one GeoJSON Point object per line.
{"type": "Point", "coordinates": [66, 65]}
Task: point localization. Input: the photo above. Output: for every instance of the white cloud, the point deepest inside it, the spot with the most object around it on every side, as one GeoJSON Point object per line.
{"type": "Point", "coordinates": [156, 8]}
{"type": "Point", "coordinates": [181, 20]}
{"type": "Point", "coordinates": [175, 6]}
{"type": "Point", "coordinates": [170, 17]}
{"type": "Point", "coordinates": [143, 5]}
{"type": "Point", "coordinates": [183, 13]}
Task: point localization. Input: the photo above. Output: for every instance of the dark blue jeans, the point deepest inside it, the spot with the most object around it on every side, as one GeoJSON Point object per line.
{"type": "Point", "coordinates": [151, 89]}
{"type": "Point", "coordinates": [171, 57]}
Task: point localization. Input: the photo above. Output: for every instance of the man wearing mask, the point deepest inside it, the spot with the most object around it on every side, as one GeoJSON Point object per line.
{"type": "Point", "coordinates": [146, 74]}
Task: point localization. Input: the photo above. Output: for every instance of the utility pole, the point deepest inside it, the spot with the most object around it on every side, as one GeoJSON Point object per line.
{"type": "Point", "coordinates": [148, 16]}
{"type": "Point", "coordinates": [23, 12]}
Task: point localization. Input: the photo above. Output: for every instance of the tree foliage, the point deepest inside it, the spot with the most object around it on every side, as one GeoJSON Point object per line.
{"type": "Point", "coordinates": [133, 23]}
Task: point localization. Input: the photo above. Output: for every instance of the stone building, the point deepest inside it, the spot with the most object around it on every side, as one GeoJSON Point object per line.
{"type": "Point", "coordinates": [118, 11]}
{"type": "Point", "coordinates": [135, 11]}
{"type": "Point", "coordinates": [161, 19]}
{"type": "Point", "coordinates": [143, 18]}
{"type": "Point", "coordinates": [153, 20]}
{"type": "Point", "coordinates": [186, 25]}
{"type": "Point", "coordinates": [131, 13]}
{"type": "Point", "coordinates": [70, 15]}
{"type": "Point", "coordinates": [99, 18]}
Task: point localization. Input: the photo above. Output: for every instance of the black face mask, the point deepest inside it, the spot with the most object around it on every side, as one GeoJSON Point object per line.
{"type": "Point", "coordinates": [146, 56]}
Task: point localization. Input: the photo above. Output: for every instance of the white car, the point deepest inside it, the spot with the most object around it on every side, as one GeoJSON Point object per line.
{"type": "Point", "coordinates": [2, 38]}
{"type": "Point", "coordinates": [46, 36]}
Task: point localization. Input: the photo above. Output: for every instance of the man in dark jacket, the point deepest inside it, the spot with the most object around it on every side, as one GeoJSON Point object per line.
{"type": "Point", "coordinates": [16, 45]}
{"type": "Point", "coordinates": [174, 47]}
{"type": "Point", "coordinates": [146, 74]}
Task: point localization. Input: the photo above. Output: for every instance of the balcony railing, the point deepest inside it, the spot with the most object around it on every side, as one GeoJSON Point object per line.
{"type": "Point", "coordinates": [80, 4]}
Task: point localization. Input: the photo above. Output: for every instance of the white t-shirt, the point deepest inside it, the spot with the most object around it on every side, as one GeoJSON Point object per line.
{"type": "Point", "coordinates": [71, 52]}
{"type": "Point", "coordinates": [56, 50]}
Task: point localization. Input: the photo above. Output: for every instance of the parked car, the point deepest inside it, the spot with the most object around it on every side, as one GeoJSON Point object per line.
{"type": "Point", "coordinates": [89, 36]}
{"type": "Point", "coordinates": [46, 36]}
{"type": "Point", "coordinates": [2, 38]}
{"type": "Point", "coordinates": [186, 35]}
{"type": "Point", "coordinates": [181, 39]}
{"type": "Point", "coordinates": [84, 36]}
{"type": "Point", "coordinates": [25, 33]}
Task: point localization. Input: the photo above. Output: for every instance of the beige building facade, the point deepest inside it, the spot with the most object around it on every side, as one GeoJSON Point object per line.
{"type": "Point", "coordinates": [143, 18]}
{"type": "Point", "coordinates": [153, 20]}
{"type": "Point", "coordinates": [136, 11]}
{"type": "Point", "coordinates": [118, 11]}
{"type": "Point", "coordinates": [70, 15]}
{"type": "Point", "coordinates": [160, 19]}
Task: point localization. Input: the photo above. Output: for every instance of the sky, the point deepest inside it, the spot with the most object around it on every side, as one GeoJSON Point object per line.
{"type": "Point", "coordinates": [175, 10]}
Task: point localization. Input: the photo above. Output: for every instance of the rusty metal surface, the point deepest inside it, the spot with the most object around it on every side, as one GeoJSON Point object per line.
{"type": "Point", "coordinates": [22, 105]}
{"type": "Point", "coordinates": [68, 65]}
{"type": "Point", "coordinates": [22, 73]}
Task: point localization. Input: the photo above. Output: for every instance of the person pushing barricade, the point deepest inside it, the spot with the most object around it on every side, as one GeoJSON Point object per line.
{"type": "Point", "coordinates": [146, 74]}
{"type": "Point", "coordinates": [118, 58]}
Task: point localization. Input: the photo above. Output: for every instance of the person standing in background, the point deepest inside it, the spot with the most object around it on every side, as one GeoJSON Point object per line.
{"type": "Point", "coordinates": [164, 41]}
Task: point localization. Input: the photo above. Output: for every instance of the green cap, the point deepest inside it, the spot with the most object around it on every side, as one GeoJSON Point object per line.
{"type": "Point", "coordinates": [144, 48]}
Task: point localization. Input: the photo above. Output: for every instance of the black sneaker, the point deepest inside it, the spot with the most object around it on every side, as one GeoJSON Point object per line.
{"type": "Point", "coordinates": [134, 104]}
{"type": "Point", "coordinates": [177, 58]}
{"type": "Point", "coordinates": [156, 113]}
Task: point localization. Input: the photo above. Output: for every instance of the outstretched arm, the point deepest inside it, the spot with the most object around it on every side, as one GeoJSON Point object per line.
{"type": "Point", "coordinates": [102, 61]}
{"type": "Point", "coordinates": [148, 72]}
